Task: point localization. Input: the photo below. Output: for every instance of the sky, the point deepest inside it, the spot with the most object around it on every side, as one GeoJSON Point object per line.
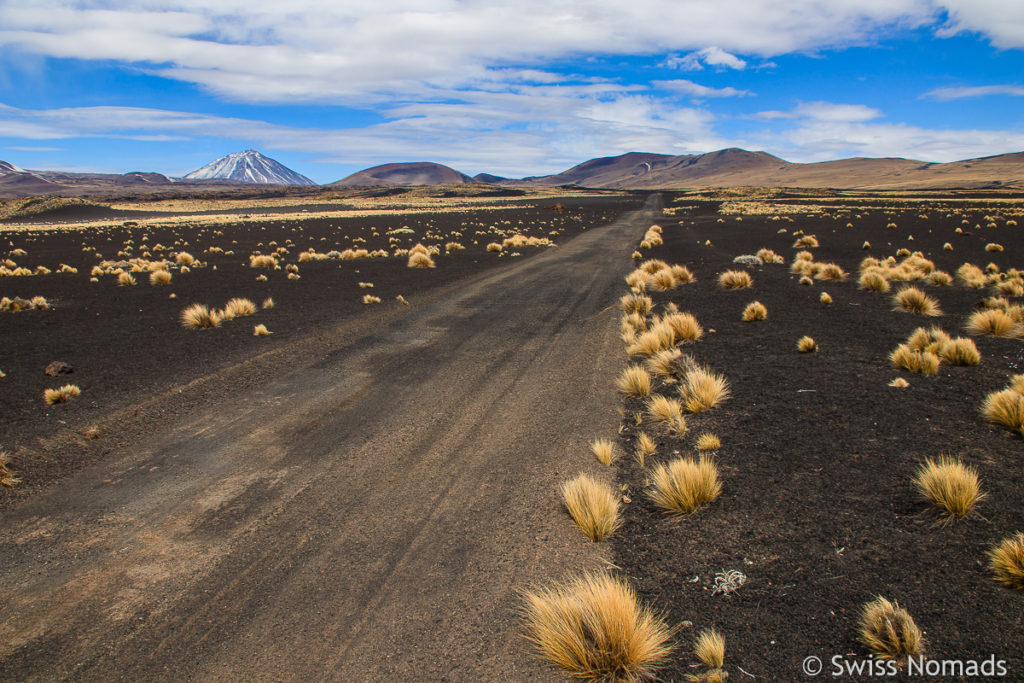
{"type": "Point", "coordinates": [509, 87]}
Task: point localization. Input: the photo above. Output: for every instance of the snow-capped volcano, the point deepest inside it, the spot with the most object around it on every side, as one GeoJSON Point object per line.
{"type": "Point", "coordinates": [249, 167]}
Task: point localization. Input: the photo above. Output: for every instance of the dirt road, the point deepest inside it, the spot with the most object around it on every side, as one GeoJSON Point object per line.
{"type": "Point", "coordinates": [368, 513]}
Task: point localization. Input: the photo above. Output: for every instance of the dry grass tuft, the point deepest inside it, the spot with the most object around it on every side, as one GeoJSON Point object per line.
{"type": "Point", "coordinates": [806, 345]}
{"type": "Point", "coordinates": [260, 331]}
{"type": "Point", "coordinates": [1006, 561]}
{"type": "Point", "coordinates": [653, 341]}
{"type": "Point", "coordinates": [684, 485]}
{"type": "Point", "coordinates": [238, 308]}
{"type": "Point", "coordinates": [7, 476]}
{"type": "Point", "coordinates": [667, 411]}
{"type": "Point", "coordinates": [684, 326]}
{"type": "Point", "coordinates": [735, 279]}
{"type": "Point", "coordinates": [754, 311]}
{"type": "Point", "coordinates": [198, 316]}
{"type": "Point", "coordinates": [993, 246]}
{"type": "Point", "coordinates": [1005, 407]}
{"type": "Point", "coordinates": [594, 627]}
{"type": "Point", "coordinates": [645, 446]}
{"type": "Point", "coordinates": [888, 631]}
{"type": "Point", "coordinates": [370, 299]}
{"type": "Point", "coordinates": [664, 363]}
{"type": "Point", "coordinates": [593, 505]}
{"type": "Point", "coordinates": [710, 649]}
{"type": "Point", "coordinates": [418, 259]}
{"type": "Point", "coordinates": [62, 394]}
{"type": "Point", "coordinates": [634, 381]}
{"type": "Point", "coordinates": [873, 281]}
{"type": "Point", "coordinates": [994, 322]}
{"type": "Point", "coordinates": [950, 485]}
{"type": "Point", "coordinates": [708, 442]}
{"type": "Point", "coordinates": [960, 351]}
{"type": "Point", "coordinates": [267, 303]}
{"type": "Point", "coordinates": [636, 303]}
{"type": "Point", "coordinates": [910, 359]}
{"type": "Point", "coordinates": [825, 298]}
{"type": "Point", "coordinates": [262, 261]}
{"type": "Point", "coordinates": [603, 450]}
{"type": "Point", "coordinates": [160, 277]}
{"type": "Point", "coordinates": [125, 279]}
{"type": "Point", "coordinates": [914, 300]}
{"type": "Point", "coordinates": [703, 389]}
{"type": "Point", "coordinates": [899, 383]}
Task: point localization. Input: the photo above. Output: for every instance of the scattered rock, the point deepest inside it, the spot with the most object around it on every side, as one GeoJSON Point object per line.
{"type": "Point", "coordinates": [58, 367]}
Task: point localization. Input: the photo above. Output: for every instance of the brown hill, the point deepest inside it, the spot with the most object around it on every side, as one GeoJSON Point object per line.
{"type": "Point", "coordinates": [404, 174]}
{"type": "Point", "coordinates": [738, 167]}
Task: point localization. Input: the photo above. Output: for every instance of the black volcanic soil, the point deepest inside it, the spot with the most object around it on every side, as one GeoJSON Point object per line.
{"type": "Point", "coordinates": [817, 508]}
{"type": "Point", "coordinates": [126, 343]}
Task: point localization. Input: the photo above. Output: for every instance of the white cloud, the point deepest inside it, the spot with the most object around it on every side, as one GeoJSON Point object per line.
{"type": "Point", "coordinates": [822, 131]}
{"type": "Point", "coordinates": [1002, 21]}
{"type": "Point", "coordinates": [712, 56]}
{"type": "Point", "coordinates": [686, 87]}
{"type": "Point", "coordinates": [18, 148]}
{"type": "Point", "coordinates": [963, 92]}
{"type": "Point", "coordinates": [361, 51]}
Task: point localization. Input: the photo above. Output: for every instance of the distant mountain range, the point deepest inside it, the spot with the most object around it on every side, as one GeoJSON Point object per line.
{"type": "Point", "coordinates": [249, 167]}
{"type": "Point", "coordinates": [632, 171]}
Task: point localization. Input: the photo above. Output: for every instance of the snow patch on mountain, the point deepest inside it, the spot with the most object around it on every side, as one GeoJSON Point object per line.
{"type": "Point", "coordinates": [249, 167]}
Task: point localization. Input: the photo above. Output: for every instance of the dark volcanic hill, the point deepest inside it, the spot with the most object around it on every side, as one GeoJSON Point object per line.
{"type": "Point", "coordinates": [414, 173]}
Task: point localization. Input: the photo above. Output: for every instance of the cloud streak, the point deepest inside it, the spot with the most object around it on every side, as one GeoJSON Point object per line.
{"type": "Point", "coordinates": [965, 92]}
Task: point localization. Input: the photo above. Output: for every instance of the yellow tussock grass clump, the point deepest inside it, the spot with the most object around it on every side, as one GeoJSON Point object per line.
{"type": "Point", "coordinates": [371, 299]}
{"type": "Point", "coordinates": [950, 485]}
{"type": "Point", "coordinates": [603, 450]}
{"type": "Point", "coordinates": [873, 281]}
{"type": "Point", "coordinates": [684, 484]}
{"type": "Point", "coordinates": [267, 303]}
{"type": "Point", "coordinates": [910, 359]}
{"type": "Point", "coordinates": [668, 411]}
{"type": "Point", "coordinates": [593, 505]}
{"type": "Point", "coordinates": [420, 260]}
{"type": "Point", "coordinates": [238, 307]}
{"type": "Point", "coordinates": [663, 363]}
{"type": "Point", "coordinates": [735, 279]}
{"type": "Point", "coordinates": [654, 340]}
{"type": "Point", "coordinates": [754, 311]}
{"type": "Point", "coordinates": [710, 649]}
{"type": "Point", "coordinates": [61, 394]}
{"type": "Point", "coordinates": [595, 628]}
{"type": "Point", "coordinates": [888, 631]}
{"type": "Point", "coordinates": [634, 381]}
{"type": "Point", "coordinates": [914, 300]}
{"type": "Point", "coordinates": [262, 261]}
{"type": "Point", "coordinates": [1006, 561]}
{"type": "Point", "coordinates": [636, 303]}
{"type": "Point", "coordinates": [703, 389]}
{"type": "Point", "coordinates": [806, 345]}
{"type": "Point", "coordinates": [899, 383]}
{"type": "Point", "coordinates": [1005, 407]}
{"type": "Point", "coordinates": [825, 298]}
{"type": "Point", "coordinates": [684, 326]}
{"type": "Point", "coordinates": [160, 277]}
{"type": "Point", "coordinates": [645, 446]}
{"type": "Point", "coordinates": [7, 476]}
{"type": "Point", "coordinates": [198, 316]}
{"type": "Point", "coordinates": [125, 279]}
{"type": "Point", "coordinates": [708, 442]}
{"type": "Point", "coordinates": [260, 331]}
{"type": "Point", "coordinates": [993, 322]}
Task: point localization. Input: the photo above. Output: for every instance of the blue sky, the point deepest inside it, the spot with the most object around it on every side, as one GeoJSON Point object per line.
{"type": "Point", "coordinates": [511, 87]}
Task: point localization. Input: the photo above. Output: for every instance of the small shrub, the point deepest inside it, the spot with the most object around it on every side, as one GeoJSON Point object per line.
{"type": "Point", "coordinates": [198, 316]}
{"type": "Point", "coordinates": [634, 381]}
{"type": "Point", "coordinates": [735, 279]}
{"type": "Point", "coordinates": [914, 300]}
{"type": "Point", "coordinates": [708, 442]}
{"type": "Point", "coordinates": [684, 326]}
{"type": "Point", "coordinates": [993, 322]}
{"type": "Point", "coordinates": [710, 649]}
{"type": "Point", "coordinates": [603, 450]}
{"type": "Point", "coordinates": [62, 394]}
{"type": "Point", "coordinates": [806, 345]}
{"type": "Point", "coordinates": [754, 311]}
{"type": "Point", "coordinates": [1006, 561]}
{"type": "Point", "coordinates": [160, 277]}
{"type": "Point", "coordinates": [950, 485]}
{"type": "Point", "coordinates": [1005, 407]}
{"type": "Point", "coordinates": [703, 389]}
{"type": "Point", "coordinates": [684, 485]}
{"type": "Point", "coordinates": [593, 505]}
{"type": "Point", "coordinates": [888, 631]}
{"type": "Point", "coordinates": [873, 282]}
{"type": "Point", "coordinates": [595, 628]}
{"type": "Point", "coordinates": [645, 446]}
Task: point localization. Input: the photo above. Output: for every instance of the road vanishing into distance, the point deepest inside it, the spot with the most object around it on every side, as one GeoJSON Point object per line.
{"type": "Point", "coordinates": [369, 510]}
